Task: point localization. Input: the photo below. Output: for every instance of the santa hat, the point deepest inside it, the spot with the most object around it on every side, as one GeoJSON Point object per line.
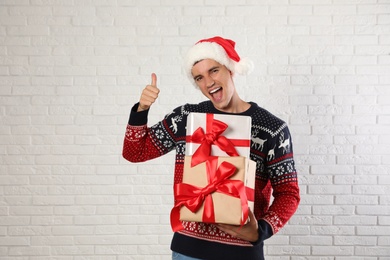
{"type": "Point", "coordinates": [221, 50]}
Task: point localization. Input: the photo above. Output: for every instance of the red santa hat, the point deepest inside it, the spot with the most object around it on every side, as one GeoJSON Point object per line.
{"type": "Point", "coordinates": [221, 50]}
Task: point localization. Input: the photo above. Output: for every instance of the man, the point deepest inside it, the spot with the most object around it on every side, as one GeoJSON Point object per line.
{"type": "Point", "coordinates": [211, 65]}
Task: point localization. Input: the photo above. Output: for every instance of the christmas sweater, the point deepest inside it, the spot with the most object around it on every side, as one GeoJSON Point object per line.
{"type": "Point", "coordinates": [271, 149]}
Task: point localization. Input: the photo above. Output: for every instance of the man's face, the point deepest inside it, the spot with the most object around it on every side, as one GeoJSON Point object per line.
{"type": "Point", "coordinates": [215, 82]}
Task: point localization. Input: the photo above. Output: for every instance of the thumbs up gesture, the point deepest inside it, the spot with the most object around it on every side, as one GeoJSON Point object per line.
{"type": "Point", "coordinates": [148, 95]}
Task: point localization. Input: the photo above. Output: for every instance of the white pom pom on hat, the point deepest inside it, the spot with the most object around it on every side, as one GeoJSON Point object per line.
{"type": "Point", "coordinates": [221, 50]}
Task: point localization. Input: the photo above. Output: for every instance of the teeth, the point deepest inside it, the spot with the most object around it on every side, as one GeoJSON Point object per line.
{"type": "Point", "coordinates": [214, 90]}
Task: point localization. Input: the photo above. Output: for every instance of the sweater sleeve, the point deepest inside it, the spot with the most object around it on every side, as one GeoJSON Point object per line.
{"type": "Point", "coordinates": [142, 143]}
{"type": "Point", "coordinates": [264, 231]}
{"type": "Point", "coordinates": [281, 170]}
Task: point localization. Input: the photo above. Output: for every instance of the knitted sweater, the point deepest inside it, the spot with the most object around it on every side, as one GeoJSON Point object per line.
{"type": "Point", "coordinates": [271, 148]}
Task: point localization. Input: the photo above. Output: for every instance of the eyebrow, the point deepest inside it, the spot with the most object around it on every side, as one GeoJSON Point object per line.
{"type": "Point", "coordinates": [211, 69]}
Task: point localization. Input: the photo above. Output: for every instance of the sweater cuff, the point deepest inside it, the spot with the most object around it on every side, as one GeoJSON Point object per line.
{"type": "Point", "coordinates": [138, 118]}
{"type": "Point", "coordinates": [264, 230]}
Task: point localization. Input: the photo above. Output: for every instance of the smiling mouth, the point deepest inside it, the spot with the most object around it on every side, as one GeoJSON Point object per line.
{"type": "Point", "coordinates": [216, 94]}
{"type": "Point", "coordinates": [215, 90]}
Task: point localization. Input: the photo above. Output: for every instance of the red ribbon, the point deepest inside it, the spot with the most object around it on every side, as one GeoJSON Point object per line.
{"type": "Point", "coordinates": [193, 197]}
{"type": "Point", "coordinates": [250, 193]}
{"type": "Point", "coordinates": [214, 129]}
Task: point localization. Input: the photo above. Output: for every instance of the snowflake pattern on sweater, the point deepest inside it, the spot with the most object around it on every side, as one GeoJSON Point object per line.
{"type": "Point", "coordinates": [271, 148]}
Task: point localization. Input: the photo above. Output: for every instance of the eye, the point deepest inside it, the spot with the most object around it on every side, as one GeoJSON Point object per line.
{"type": "Point", "coordinates": [197, 79]}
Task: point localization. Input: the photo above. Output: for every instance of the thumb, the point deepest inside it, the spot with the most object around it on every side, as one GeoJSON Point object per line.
{"type": "Point", "coordinates": [154, 80]}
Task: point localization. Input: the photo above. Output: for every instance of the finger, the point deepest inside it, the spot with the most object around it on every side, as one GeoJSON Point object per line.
{"type": "Point", "coordinates": [151, 91]}
{"type": "Point", "coordinates": [252, 219]}
{"type": "Point", "coordinates": [230, 229]}
{"type": "Point", "coordinates": [147, 100]}
{"type": "Point", "coordinates": [145, 103]}
{"type": "Point", "coordinates": [251, 216]}
{"type": "Point", "coordinates": [227, 229]}
{"type": "Point", "coordinates": [154, 80]}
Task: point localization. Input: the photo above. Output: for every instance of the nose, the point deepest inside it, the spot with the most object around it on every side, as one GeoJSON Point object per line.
{"type": "Point", "coordinates": [210, 82]}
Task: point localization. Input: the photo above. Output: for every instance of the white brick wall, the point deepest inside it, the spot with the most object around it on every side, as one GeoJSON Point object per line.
{"type": "Point", "coordinates": [71, 69]}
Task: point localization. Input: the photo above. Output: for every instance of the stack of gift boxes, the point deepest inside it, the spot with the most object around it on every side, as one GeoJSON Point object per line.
{"type": "Point", "coordinates": [218, 177]}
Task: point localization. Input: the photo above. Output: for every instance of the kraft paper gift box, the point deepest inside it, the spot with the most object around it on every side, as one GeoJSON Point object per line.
{"type": "Point", "coordinates": [226, 208]}
{"type": "Point", "coordinates": [203, 128]}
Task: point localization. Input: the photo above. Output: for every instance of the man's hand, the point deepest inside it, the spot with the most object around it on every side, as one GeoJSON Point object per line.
{"type": "Point", "coordinates": [248, 232]}
{"type": "Point", "coordinates": [149, 95]}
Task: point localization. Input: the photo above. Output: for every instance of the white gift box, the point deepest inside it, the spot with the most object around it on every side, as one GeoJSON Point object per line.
{"type": "Point", "coordinates": [238, 131]}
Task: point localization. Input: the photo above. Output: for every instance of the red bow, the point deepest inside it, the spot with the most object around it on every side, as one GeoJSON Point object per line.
{"type": "Point", "coordinates": [214, 129]}
{"type": "Point", "coordinates": [193, 197]}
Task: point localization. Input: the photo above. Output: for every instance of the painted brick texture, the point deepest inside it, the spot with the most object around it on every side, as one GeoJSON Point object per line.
{"type": "Point", "coordinates": [70, 71]}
